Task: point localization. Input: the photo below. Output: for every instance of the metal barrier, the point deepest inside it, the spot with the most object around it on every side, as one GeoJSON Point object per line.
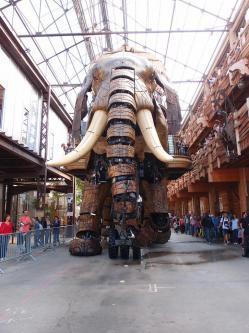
{"type": "Point", "coordinates": [176, 146]}
{"type": "Point", "coordinates": [20, 245]}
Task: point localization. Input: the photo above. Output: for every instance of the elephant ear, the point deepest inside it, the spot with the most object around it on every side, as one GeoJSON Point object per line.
{"type": "Point", "coordinates": [80, 109]}
{"type": "Point", "coordinates": [171, 106]}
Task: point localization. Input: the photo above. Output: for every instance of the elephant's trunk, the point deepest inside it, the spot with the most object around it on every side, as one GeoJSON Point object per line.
{"type": "Point", "coordinates": [121, 124]}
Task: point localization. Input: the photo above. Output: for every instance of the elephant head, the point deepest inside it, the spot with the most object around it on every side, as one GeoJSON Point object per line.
{"type": "Point", "coordinates": [146, 83]}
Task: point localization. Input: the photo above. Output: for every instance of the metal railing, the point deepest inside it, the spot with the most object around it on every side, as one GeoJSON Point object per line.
{"type": "Point", "coordinates": [176, 146]}
{"type": "Point", "coordinates": [19, 245]}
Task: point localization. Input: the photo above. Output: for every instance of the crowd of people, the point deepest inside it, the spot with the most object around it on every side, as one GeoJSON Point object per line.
{"type": "Point", "coordinates": [181, 147]}
{"type": "Point", "coordinates": [44, 232]}
{"type": "Point", "coordinates": [224, 226]}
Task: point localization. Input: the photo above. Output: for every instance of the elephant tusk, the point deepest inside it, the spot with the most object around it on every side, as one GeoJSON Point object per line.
{"type": "Point", "coordinates": [147, 127]}
{"type": "Point", "coordinates": [92, 135]}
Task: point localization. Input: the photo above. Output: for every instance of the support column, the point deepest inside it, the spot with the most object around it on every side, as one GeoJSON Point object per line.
{"type": "Point", "coordinates": [74, 199]}
{"type": "Point", "coordinates": [204, 205]}
{"type": "Point", "coordinates": [195, 200]}
{"type": "Point", "coordinates": [243, 195]}
{"type": "Point", "coordinates": [184, 206]}
{"type": "Point", "coordinates": [176, 207]}
{"type": "Point", "coordinates": [4, 199]}
{"type": "Point", "coordinates": [8, 199]}
{"type": "Point", "coordinates": [44, 139]}
{"type": "Point", "coordinates": [224, 200]}
{"type": "Point", "coordinates": [70, 202]}
{"type": "Point", "coordinates": [212, 200]}
{"type": "Point", "coordinates": [1, 201]}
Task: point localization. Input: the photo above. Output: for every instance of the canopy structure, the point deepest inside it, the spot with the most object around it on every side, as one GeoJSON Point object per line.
{"type": "Point", "coordinates": [64, 36]}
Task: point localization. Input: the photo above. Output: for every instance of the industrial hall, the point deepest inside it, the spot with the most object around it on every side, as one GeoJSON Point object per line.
{"type": "Point", "coordinates": [124, 166]}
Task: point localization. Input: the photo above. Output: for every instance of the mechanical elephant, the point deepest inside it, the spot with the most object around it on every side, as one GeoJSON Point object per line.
{"type": "Point", "coordinates": [123, 153]}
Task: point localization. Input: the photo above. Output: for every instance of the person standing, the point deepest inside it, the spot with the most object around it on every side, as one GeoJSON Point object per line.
{"type": "Point", "coordinates": [6, 229]}
{"type": "Point", "coordinates": [207, 225]}
{"type": "Point", "coordinates": [193, 222]}
{"type": "Point", "coordinates": [187, 223]}
{"type": "Point", "coordinates": [215, 220]}
{"type": "Point", "coordinates": [197, 226]}
{"type": "Point", "coordinates": [56, 231]}
{"type": "Point", "coordinates": [24, 229]}
{"type": "Point", "coordinates": [245, 225]}
{"type": "Point", "coordinates": [48, 231]}
{"type": "Point", "coordinates": [235, 229]}
{"type": "Point", "coordinates": [225, 223]}
{"type": "Point", "coordinates": [38, 233]}
{"type": "Point", "coordinates": [182, 225]}
{"type": "Point", "coordinates": [242, 219]}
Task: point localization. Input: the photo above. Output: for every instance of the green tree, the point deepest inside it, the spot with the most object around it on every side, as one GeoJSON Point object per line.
{"type": "Point", "coordinates": [79, 190]}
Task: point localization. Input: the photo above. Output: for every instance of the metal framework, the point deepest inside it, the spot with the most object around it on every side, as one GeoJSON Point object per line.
{"type": "Point", "coordinates": [171, 24]}
{"type": "Point", "coordinates": [44, 124]}
{"type": "Point", "coordinates": [203, 10]}
{"type": "Point", "coordinates": [105, 17]}
{"type": "Point", "coordinates": [27, 28]}
{"type": "Point", "coordinates": [101, 33]}
{"type": "Point", "coordinates": [44, 139]}
{"type": "Point", "coordinates": [83, 26]}
{"type": "Point", "coordinates": [103, 26]}
{"type": "Point", "coordinates": [12, 3]}
{"type": "Point", "coordinates": [124, 10]}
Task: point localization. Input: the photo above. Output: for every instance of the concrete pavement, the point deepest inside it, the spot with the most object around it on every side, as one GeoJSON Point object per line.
{"type": "Point", "coordinates": [185, 286]}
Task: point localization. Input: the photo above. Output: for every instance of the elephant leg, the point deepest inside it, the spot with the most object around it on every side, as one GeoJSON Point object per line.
{"type": "Point", "coordinates": [156, 211]}
{"type": "Point", "coordinates": [106, 216]}
{"type": "Point", "coordinates": [87, 241]}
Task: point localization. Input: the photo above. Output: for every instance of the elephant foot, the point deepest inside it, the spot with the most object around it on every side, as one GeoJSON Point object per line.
{"type": "Point", "coordinates": [85, 247]}
{"type": "Point", "coordinates": [162, 237]}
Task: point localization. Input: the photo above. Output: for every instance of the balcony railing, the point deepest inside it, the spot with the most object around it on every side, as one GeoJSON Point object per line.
{"type": "Point", "coordinates": [176, 146]}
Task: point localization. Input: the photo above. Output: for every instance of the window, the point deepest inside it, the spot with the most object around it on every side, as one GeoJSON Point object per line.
{"type": "Point", "coordinates": [25, 126]}
{"type": "Point", "coordinates": [29, 127]}
{"type": "Point", "coordinates": [2, 90]}
{"type": "Point", "coordinates": [51, 148]}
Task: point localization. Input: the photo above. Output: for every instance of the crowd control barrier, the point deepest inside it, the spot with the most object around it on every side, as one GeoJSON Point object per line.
{"type": "Point", "coordinates": [20, 245]}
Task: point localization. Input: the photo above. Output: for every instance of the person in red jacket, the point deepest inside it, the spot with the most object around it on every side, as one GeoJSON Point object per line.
{"type": "Point", "coordinates": [24, 224]}
{"type": "Point", "coordinates": [6, 229]}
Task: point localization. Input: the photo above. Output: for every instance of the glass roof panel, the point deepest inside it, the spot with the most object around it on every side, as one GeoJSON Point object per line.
{"type": "Point", "coordinates": [64, 60]}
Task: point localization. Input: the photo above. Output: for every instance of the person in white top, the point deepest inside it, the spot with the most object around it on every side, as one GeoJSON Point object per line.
{"type": "Point", "coordinates": [225, 223]}
{"type": "Point", "coordinates": [235, 228]}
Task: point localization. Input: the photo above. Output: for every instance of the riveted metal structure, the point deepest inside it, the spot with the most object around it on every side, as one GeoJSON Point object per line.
{"type": "Point", "coordinates": [123, 156]}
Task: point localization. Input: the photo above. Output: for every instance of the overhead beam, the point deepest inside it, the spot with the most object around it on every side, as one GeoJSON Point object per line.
{"type": "Point", "coordinates": [15, 149]}
{"type": "Point", "coordinates": [101, 33]}
{"type": "Point", "coordinates": [224, 175]}
{"type": "Point", "coordinates": [60, 173]}
{"type": "Point", "coordinates": [83, 26]}
{"type": "Point", "coordinates": [13, 47]}
{"type": "Point", "coordinates": [198, 188]}
{"type": "Point", "coordinates": [105, 18]}
{"type": "Point", "coordinates": [162, 55]}
{"type": "Point", "coordinates": [187, 81]}
{"type": "Point", "coordinates": [171, 24]}
{"type": "Point", "coordinates": [183, 195]}
{"type": "Point", "coordinates": [60, 52]}
{"type": "Point", "coordinates": [203, 10]}
{"type": "Point", "coordinates": [74, 85]}
{"type": "Point", "coordinates": [11, 167]}
{"type": "Point", "coordinates": [12, 3]}
{"type": "Point", "coordinates": [124, 10]}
